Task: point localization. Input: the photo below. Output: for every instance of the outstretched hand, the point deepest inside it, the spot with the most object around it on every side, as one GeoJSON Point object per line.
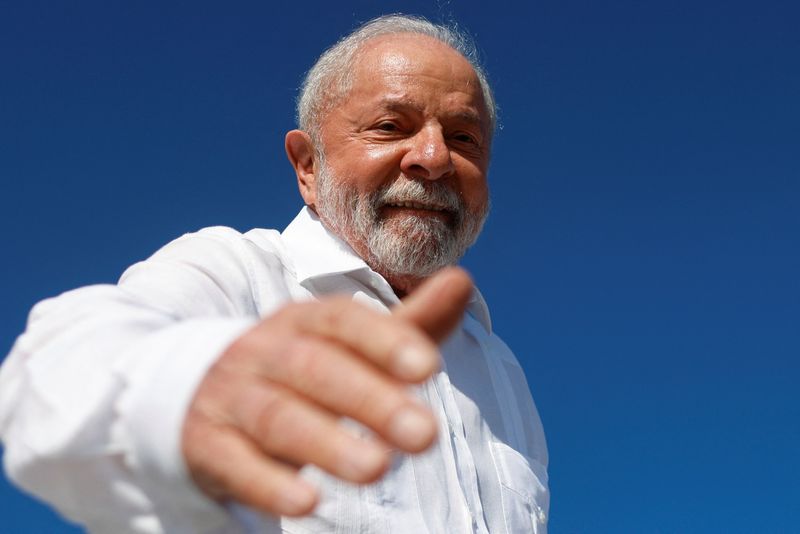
{"type": "Point", "coordinates": [274, 399]}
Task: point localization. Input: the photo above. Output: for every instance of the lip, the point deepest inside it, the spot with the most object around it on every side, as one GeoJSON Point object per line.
{"type": "Point", "coordinates": [417, 206]}
{"type": "Point", "coordinates": [414, 209]}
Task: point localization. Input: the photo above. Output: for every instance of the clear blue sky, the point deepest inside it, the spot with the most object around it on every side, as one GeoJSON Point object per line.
{"type": "Point", "coordinates": [641, 259]}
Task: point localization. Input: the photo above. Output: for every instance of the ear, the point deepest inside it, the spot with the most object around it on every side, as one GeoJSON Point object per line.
{"type": "Point", "coordinates": [301, 154]}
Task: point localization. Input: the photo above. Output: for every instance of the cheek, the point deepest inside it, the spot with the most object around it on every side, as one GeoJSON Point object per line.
{"type": "Point", "coordinates": [371, 168]}
{"type": "Point", "coordinates": [474, 187]}
{"type": "Point", "coordinates": [382, 154]}
{"type": "Point", "coordinates": [480, 198]}
{"type": "Point", "coordinates": [381, 162]}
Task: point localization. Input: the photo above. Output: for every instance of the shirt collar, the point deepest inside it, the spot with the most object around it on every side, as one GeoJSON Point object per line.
{"type": "Point", "coordinates": [478, 309]}
{"type": "Point", "coordinates": [316, 252]}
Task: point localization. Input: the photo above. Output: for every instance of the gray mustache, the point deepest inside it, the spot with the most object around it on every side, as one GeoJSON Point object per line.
{"type": "Point", "coordinates": [433, 194]}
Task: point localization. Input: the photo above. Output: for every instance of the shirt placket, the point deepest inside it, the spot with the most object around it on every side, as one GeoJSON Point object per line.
{"type": "Point", "coordinates": [512, 420]}
{"type": "Point", "coordinates": [464, 461]}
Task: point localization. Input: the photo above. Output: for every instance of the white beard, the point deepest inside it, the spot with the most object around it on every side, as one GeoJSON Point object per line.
{"type": "Point", "coordinates": [407, 245]}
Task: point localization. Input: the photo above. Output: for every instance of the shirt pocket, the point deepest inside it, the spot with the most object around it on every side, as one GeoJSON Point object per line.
{"type": "Point", "coordinates": [523, 485]}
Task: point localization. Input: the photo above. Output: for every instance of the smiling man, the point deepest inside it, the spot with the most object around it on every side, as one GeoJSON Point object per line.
{"type": "Point", "coordinates": [401, 167]}
{"type": "Point", "coordinates": [276, 382]}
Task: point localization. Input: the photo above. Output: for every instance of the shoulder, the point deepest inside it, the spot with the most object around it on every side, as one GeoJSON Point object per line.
{"type": "Point", "coordinates": [219, 246]}
{"type": "Point", "coordinates": [215, 267]}
{"type": "Point", "coordinates": [222, 237]}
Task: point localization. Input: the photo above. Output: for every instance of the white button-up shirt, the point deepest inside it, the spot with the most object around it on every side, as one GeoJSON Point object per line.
{"type": "Point", "coordinates": [93, 395]}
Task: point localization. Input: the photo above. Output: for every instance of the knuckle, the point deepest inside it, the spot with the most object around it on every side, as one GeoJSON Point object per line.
{"type": "Point", "coordinates": [305, 367]}
{"type": "Point", "coordinates": [375, 402]}
{"type": "Point", "coordinates": [272, 415]}
{"type": "Point", "coordinates": [333, 312]}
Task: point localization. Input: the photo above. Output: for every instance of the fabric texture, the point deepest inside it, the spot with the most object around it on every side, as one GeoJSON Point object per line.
{"type": "Point", "coordinates": [93, 395]}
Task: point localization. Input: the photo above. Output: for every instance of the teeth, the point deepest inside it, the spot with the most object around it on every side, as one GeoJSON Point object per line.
{"type": "Point", "coordinates": [415, 205]}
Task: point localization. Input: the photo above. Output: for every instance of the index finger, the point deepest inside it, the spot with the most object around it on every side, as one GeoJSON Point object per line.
{"type": "Point", "coordinates": [391, 343]}
{"type": "Point", "coordinates": [438, 304]}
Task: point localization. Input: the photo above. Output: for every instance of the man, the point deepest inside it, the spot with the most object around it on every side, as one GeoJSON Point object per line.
{"type": "Point", "coordinates": [273, 382]}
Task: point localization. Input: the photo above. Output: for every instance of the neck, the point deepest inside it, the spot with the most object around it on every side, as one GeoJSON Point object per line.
{"type": "Point", "coordinates": [403, 284]}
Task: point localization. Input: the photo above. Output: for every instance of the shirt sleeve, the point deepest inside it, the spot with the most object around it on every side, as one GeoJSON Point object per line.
{"type": "Point", "coordinates": [93, 394]}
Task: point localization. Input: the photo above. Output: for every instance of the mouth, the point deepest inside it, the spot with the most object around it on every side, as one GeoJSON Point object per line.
{"type": "Point", "coordinates": [418, 206]}
{"type": "Point", "coordinates": [418, 209]}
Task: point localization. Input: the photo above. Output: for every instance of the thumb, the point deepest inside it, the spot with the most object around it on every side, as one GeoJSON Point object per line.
{"type": "Point", "coordinates": [437, 305]}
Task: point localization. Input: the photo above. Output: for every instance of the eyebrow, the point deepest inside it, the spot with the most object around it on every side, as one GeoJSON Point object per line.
{"type": "Point", "coordinates": [469, 115]}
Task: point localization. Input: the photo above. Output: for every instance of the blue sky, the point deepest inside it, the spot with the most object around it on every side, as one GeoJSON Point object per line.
{"type": "Point", "coordinates": [642, 254]}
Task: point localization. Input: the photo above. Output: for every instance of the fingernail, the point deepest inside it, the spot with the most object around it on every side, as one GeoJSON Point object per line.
{"type": "Point", "coordinates": [298, 497]}
{"type": "Point", "coordinates": [413, 363]}
{"type": "Point", "coordinates": [411, 429]}
{"type": "Point", "coordinates": [362, 462]}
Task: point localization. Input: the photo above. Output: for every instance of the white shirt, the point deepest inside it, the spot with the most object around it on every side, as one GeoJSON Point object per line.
{"type": "Point", "coordinates": [93, 395]}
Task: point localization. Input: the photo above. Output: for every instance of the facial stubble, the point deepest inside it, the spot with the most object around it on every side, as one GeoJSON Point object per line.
{"type": "Point", "coordinates": [410, 243]}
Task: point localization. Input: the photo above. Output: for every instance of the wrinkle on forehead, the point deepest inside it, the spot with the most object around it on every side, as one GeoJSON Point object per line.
{"type": "Point", "coordinates": [401, 62]}
{"type": "Point", "coordinates": [408, 54]}
{"type": "Point", "coordinates": [420, 74]}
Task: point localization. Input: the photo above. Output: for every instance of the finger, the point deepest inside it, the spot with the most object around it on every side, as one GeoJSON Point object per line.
{"type": "Point", "coordinates": [290, 428]}
{"type": "Point", "coordinates": [328, 375]}
{"type": "Point", "coordinates": [398, 347]}
{"type": "Point", "coordinates": [228, 465]}
{"type": "Point", "coordinates": [439, 303]}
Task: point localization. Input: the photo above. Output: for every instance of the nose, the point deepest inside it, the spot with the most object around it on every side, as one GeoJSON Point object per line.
{"type": "Point", "coordinates": [428, 156]}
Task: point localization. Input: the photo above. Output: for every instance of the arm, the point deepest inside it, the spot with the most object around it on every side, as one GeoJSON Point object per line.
{"type": "Point", "coordinates": [92, 389]}
{"type": "Point", "coordinates": [95, 393]}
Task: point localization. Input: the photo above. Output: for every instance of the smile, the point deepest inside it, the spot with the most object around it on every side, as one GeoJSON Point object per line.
{"type": "Point", "coordinates": [415, 206]}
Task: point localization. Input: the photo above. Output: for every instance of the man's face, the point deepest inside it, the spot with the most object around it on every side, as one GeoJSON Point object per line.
{"type": "Point", "coordinates": [403, 179]}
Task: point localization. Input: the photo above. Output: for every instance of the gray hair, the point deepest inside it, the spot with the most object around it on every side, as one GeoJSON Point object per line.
{"type": "Point", "coordinates": [330, 79]}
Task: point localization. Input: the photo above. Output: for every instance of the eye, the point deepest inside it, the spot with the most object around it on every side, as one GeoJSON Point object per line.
{"type": "Point", "coordinates": [387, 126]}
{"type": "Point", "coordinates": [463, 137]}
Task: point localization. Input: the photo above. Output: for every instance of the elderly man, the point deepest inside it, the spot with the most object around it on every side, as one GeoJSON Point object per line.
{"type": "Point", "coordinates": [268, 382]}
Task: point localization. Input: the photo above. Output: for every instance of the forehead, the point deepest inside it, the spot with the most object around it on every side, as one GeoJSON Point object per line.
{"type": "Point", "coordinates": [403, 52]}
{"type": "Point", "coordinates": [418, 71]}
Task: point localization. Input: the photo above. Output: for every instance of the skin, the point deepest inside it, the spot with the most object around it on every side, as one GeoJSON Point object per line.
{"type": "Point", "coordinates": [272, 402]}
{"type": "Point", "coordinates": [416, 112]}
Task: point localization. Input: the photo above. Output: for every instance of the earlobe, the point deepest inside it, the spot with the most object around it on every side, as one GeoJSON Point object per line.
{"type": "Point", "coordinates": [301, 154]}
